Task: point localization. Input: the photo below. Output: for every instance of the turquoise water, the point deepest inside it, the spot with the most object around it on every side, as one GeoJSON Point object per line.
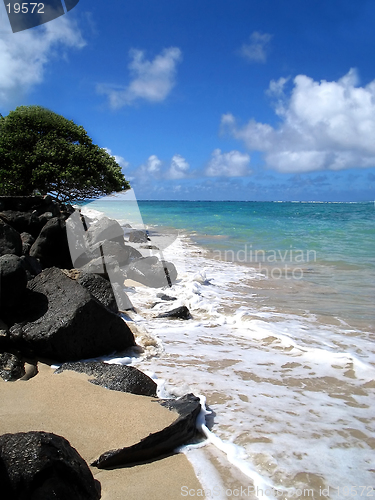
{"type": "Point", "coordinates": [328, 246]}
{"type": "Point", "coordinates": [281, 339]}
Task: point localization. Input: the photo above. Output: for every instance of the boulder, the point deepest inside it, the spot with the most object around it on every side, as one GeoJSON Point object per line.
{"type": "Point", "coordinates": [115, 377]}
{"type": "Point", "coordinates": [10, 240]}
{"type": "Point", "coordinates": [112, 295]}
{"type": "Point", "coordinates": [158, 444]}
{"type": "Point", "coordinates": [107, 267]}
{"type": "Point", "coordinates": [45, 217]}
{"type": "Point", "coordinates": [104, 229]}
{"type": "Point", "coordinates": [100, 288]}
{"type": "Point", "coordinates": [27, 242]}
{"type": "Point", "coordinates": [31, 265]}
{"type": "Point", "coordinates": [51, 247]}
{"type": "Point", "coordinates": [123, 254]}
{"type": "Point", "coordinates": [137, 236]}
{"type": "Point", "coordinates": [11, 367]}
{"type": "Point", "coordinates": [23, 222]}
{"type": "Point", "coordinates": [164, 296]}
{"type": "Point", "coordinates": [152, 272]}
{"type": "Point", "coordinates": [13, 281]}
{"type": "Point", "coordinates": [64, 322]}
{"type": "Point", "coordinates": [39, 465]}
{"type": "Point", "coordinates": [181, 312]}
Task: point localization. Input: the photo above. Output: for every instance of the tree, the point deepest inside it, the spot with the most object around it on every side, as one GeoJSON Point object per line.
{"type": "Point", "coordinates": [41, 151]}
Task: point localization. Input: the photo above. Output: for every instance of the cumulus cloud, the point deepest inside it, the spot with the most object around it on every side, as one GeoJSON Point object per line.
{"type": "Point", "coordinates": [232, 164]}
{"type": "Point", "coordinates": [25, 55]}
{"type": "Point", "coordinates": [256, 50]}
{"type": "Point", "coordinates": [324, 125]}
{"type": "Point", "coordinates": [179, 168]}
{"type": "Point", "coordinates": [119, 159]}
{"type": "Point", "coordinates": [151, 80]}
{"type": "Point", "coordinates": [150, 169]}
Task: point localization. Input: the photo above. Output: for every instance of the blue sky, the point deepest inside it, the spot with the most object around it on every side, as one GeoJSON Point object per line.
{"type": "Point", "coordinates": [213, 99]}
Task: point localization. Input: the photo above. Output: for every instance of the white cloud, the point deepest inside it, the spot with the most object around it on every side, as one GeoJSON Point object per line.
{"type": "Point", "coordinates": [178, 169]}
{"type": "Point", "coordinates": [119, 159]}
{"type": "Point", "coordinates": [152, 80]}
{"type": "Point", "coordinates": [325, 125]}
{"type": "Point", "coordinates": [24, 55]}
{"type": "Point", "coordinates": [232, 164]}
{"type": "Point", "coordinates": [150, 169]}
{"type": "Point", "coordinates": [256, 50]}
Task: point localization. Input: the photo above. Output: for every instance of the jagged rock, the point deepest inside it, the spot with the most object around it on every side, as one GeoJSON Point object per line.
{"type": "Point", "coordinates": [181, 312]}
{"type": "Point", "coordinates": [108, 268]}
{"type": "Point", "coordinates": [63, 321]}
{"type": "Point", "coordinates": [31, 265]}
{"type": "Point", "coordinates": [122, 299]}
{"type": "Point", "coordinates": [152, 272]}
{"type": "Point", "coordinates": [158, 444]}
{"type": "Point", "coordinates": [10, 240]}
{"type": "Point", "coordinates": [112, 250]}
{"type": "Point", "coordinates": [38, 465]}
{"type": "Point", "coordinates": [112, 295]}
{"type": "Point", "coordinates": [23, 222]}
{"type": "Point", "coordinates": [100, 288]}
{"type": "Point", "coordinates": [45, 217]}
{"type": "Point", "coordinates": [104, 229]}
{"type": "Point", "coordinates": [13, 281]}
{"type": "Point", "coordinates": [51, 247]}
{"type": "Point", "coordinates": [149, 247]}
{"type": "Point", "coordinates": [137, 236]}
{"type": "Point", "coordinates": [27, 242]}
{"type": "Point", "coordinates": [164, 296]}
{"type": "Point", "coordinates": [115, 377]}
{"type": "Point", "coordinates": [11, 367]}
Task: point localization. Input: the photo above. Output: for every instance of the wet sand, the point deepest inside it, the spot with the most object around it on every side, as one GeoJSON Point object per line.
{"type": "Point", "coordinates": [94, 420]}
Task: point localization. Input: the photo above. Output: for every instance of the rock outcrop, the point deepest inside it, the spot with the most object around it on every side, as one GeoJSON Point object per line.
{"type": "Point", "coordinates": [13, 281]}
{"type": "Point", "coordinates": [115, 377]}
{"type": "Point", "coordinates": [157, 444]}
{"type": "Point", "coordinates": [40, 466]}
{"type": "Point", "coordinates": [152, 272]}
{"type": "Point", "coordinates": [51, 246]}
{"type": "Point", "coordinates": [64, 322]}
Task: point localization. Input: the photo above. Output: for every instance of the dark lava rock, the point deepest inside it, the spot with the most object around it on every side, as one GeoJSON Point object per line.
{"type": "Point", "coordinates": [115, 377]}
{"type": "Point", "coordinates": [43, 466]}
{"type": "Point", "coordinates": [23, 222]}
{"type": "Point", "coordinates": [107, 267]}
{"type": "Point", "coordinates": [112, 250]}
{"type": "Point", "coordinates": [13, 281]}
{"type": "Point", "coordinates": [31, 265]}
{"type": "Point", "coordinates": [152, 272]}
{"type": "Point", "coordinates": [67, 322]}
{"type": "Point", "coordinates": [181, 312]}
{"type": "Point", "coordinates": [10, 240]}
{"type": "Point", "coordinates": [137, 236]}
{"type": "Point", "coordinates": [104, 229]}
{"type": "Point", "coordinates": [51, 247]}
{"type": "Point", "coordinates": [99, 287]}
{"type": "Point", "coordinates": [11, 367]}
{"type": "Point", "coordinates": [158, 444]}
{"type": "Point", "coordinates": [122, 299]}
{"type": "Point", "coordinates": [27, 242]}
{"type": "Point", "coordinates": [164, 296]}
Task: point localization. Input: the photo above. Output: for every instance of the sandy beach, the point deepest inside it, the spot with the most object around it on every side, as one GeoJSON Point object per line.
{"type": "Point", "coordinates": [94, 420]}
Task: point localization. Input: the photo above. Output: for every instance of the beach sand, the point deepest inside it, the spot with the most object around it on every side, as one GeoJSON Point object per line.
{"type": "Point", "coordinates": [94, 420]}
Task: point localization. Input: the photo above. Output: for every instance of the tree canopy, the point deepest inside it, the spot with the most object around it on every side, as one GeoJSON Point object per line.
{"type": "Point", "coordinates": [41, 151]}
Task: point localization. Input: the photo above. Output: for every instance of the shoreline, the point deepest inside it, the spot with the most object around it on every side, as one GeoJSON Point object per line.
{"type": "Point", "coordinates": [271, 351]}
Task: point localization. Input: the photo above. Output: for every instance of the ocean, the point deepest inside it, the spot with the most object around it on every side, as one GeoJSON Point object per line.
{"type": "Point", "coordinates": [280, 344]}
